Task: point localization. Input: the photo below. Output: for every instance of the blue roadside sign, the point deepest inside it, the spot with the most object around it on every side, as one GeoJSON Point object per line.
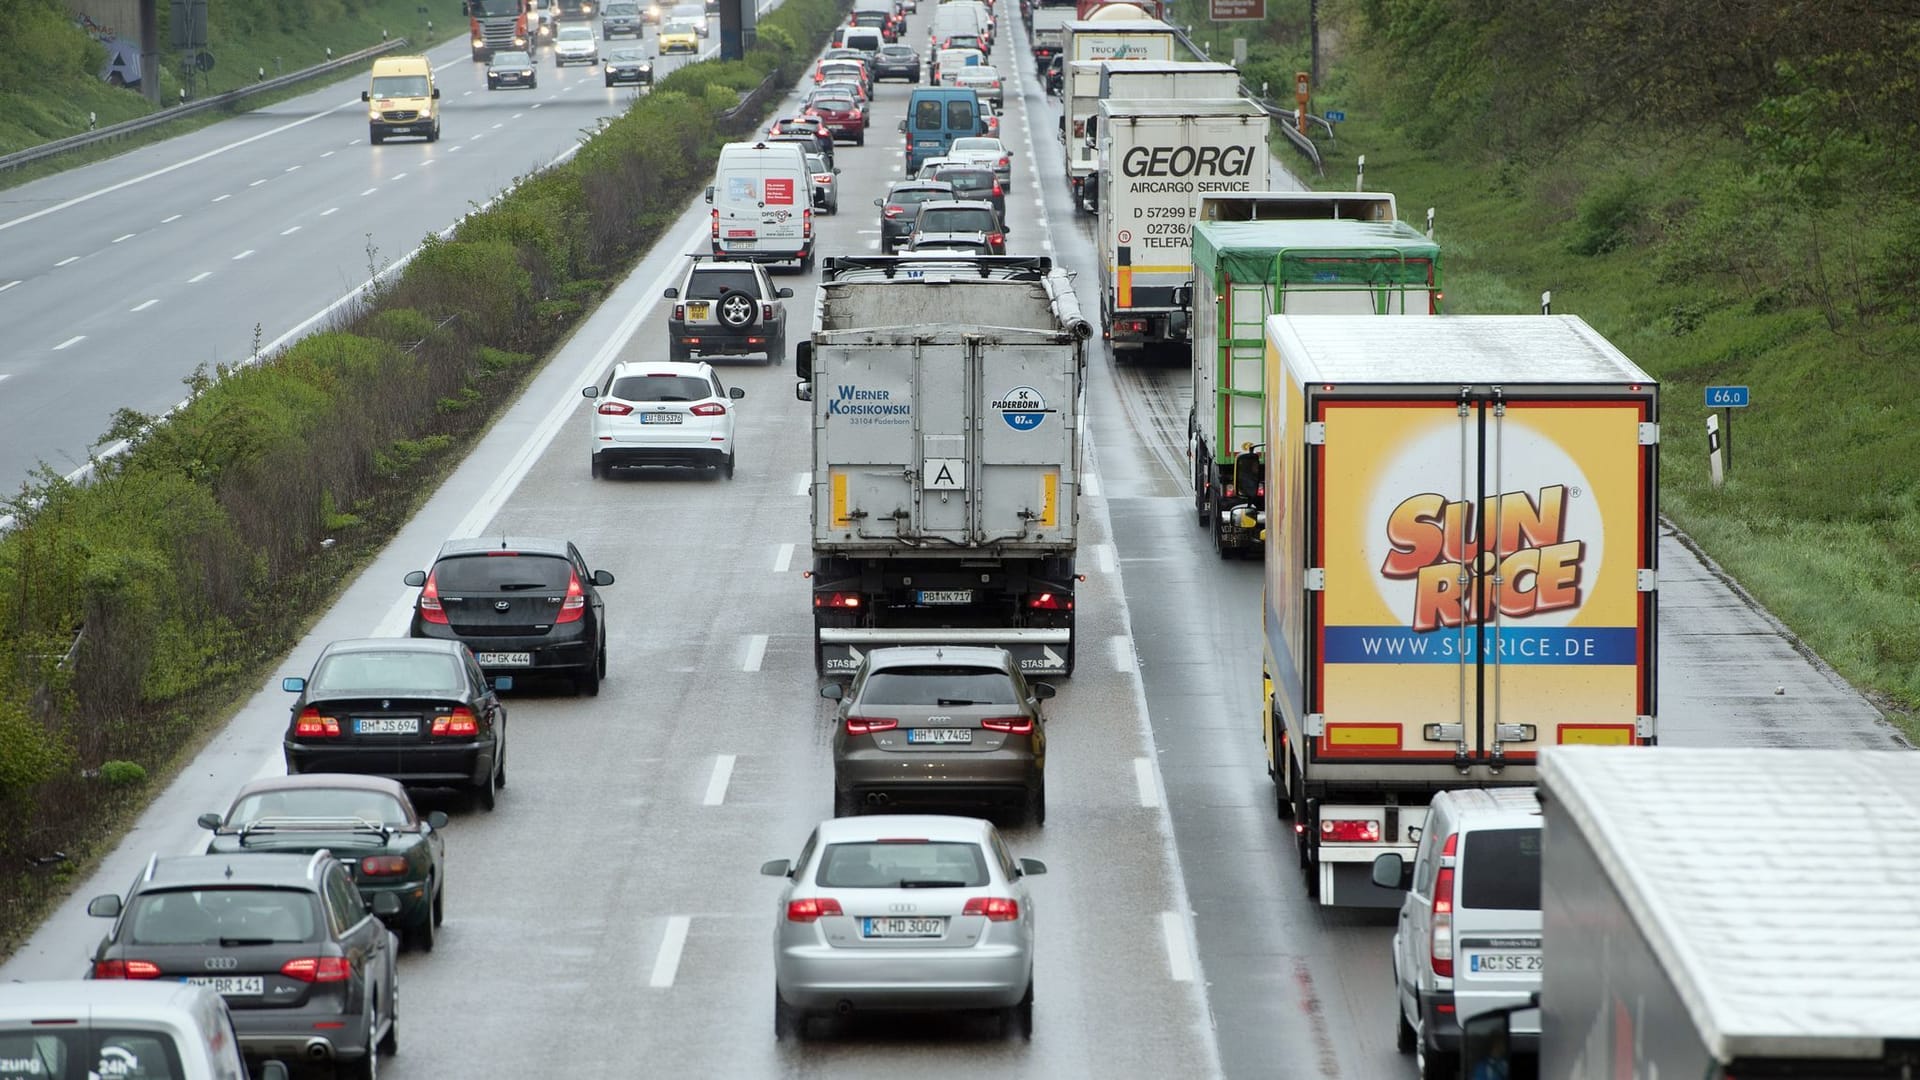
{"type": "Point", "coordinates": [1726, 397]}
{"type": "Point", "coordinates": [1335, 116]}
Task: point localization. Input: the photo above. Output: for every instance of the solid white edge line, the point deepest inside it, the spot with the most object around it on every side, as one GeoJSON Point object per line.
{"type": "Point", "coordinates": [1173, 931]}
{"type": "Point", "coordinates": [668, 962]}
{"type": "Point", "coordinates": [1144, 779]}
{"type": "Point", "coordinates": [1106, 557]}
{"type": "Point", "coordinates": [804, 484]}
{"type": "Point", "coordinates": [1090, 485]}
{"type": "Point", "coordinates": [1124, 658]}
{"type": "Point", "coordinates": [756, 652]}
{"type": "Point", "coordinates": [717, 784]}
{"type": "Point", "coordinates": [783, 559]}
{"type": "Point", "coordinates": [290, 232]}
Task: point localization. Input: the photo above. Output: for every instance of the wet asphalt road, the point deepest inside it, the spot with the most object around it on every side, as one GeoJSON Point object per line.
{"type": "Point", "coordinates": [607, 918]}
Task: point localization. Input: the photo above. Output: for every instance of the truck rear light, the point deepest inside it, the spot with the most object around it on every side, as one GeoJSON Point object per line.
{"type": "Point", "coordinates": [125, 969]}
{"type": "Point", "coordinates": [867, 725]}
{"type": "Point", "coordinates": [318, 969]}
{"type": "Point", "coordinates": [995, 908]}
{"type": "Point", "coordinates": [810, 910]}
{"type": "Point", "coordinates": [575, 605]}
{"type": "Point", "coordinates": [311, 725]}
{"type": "Point", "coordinates": [383, 865]}
{"type": "Point", "coordinates": [709, 408]}
{"type": "Point", "coordinates": [430, 609]}
{"type": "Point", "coordinates": [1350, 832]}
{"type": "Point", "coordinates": [806, 222]}
{"type": "Point", "coordinates": [1012, 725]}
{"type": "Point", "coordinates": [837, 600]}
{"type": "Point", "coordinates": [1227, 492]}
{"type": "Point", "coordinates": [1050, 601]}
{"type": "Point", "coordinates": [459, 722]}
{"type": "Point", "coordinates": [614, 408]}
{"type": "Point", "coordinates": [1261, 490]}
{"type": "Point", "coordinates": [1441, 949]}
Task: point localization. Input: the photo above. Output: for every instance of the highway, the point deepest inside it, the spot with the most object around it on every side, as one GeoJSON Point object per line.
{"type": "Point", "coordinates": [608, 915]}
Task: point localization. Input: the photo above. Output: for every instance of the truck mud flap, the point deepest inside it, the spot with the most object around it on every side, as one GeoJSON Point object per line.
{"type": "Point", "coordinates": [1036, 651]}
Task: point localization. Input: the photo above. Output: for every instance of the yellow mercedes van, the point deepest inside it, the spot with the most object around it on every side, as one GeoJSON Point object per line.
{"type": "Point", "coordinates": [402, 99]}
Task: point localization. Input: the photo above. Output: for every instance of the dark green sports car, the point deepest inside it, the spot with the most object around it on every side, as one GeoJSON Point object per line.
{"type": "Point", "coordinates": [367, 822]}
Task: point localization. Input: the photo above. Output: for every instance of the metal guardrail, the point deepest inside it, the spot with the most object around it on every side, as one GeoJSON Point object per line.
{"type": "Point", "coordinates": [751, 101]}
{"type": "Point", "coordinates": [1273, 109]}
{"type": "Point", "coordinates": [140, 123]}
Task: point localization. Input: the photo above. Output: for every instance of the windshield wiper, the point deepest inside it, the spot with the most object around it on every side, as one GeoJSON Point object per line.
{"type": "Point", "coordinates": [932, 885]}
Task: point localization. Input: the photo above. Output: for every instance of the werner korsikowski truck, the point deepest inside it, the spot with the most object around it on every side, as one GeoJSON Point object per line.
{"type": "Point", "coordinates": [946, 456]}
{"type": "Point", "coordinates": [1460, 568]}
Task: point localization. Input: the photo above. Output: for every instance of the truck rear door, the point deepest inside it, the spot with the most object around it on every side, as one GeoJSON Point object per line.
{"type": "Point", "coordinates": [1028, 449]}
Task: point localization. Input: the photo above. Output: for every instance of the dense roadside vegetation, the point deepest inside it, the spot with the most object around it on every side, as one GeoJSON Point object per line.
{"type": "Point", "coordinates": [136, 610]}
{"type": "Point", "coordinates": [50, 66]}
{"type": "Point", "coordinates": [1730, 193]}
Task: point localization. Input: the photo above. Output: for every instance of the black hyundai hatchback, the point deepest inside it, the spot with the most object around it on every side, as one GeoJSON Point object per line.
{"type": "Point", "coordinates": [525, 606]}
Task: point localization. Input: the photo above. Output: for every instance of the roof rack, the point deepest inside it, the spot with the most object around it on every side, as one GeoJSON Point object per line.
{"type": "Point", "coordinates": [278, 826]}
{"type": "Point", "coordinates": [996, 267]}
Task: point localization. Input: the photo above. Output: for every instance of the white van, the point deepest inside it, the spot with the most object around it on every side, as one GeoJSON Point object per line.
{"type": "Point", "coordinates": [947, 60]}
{"type": "Point", "coordinates": [112, 1027]}
{"type": "Point", "coordinates": [864, 38]}
{"type": "Point", "coordinates": [762, 198]}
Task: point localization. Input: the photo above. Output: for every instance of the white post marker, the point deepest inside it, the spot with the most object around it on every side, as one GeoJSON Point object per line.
{"type": "Point", "coordinates": [1715, 468]}
{"type": "Point", "coordinates": [667, 964]}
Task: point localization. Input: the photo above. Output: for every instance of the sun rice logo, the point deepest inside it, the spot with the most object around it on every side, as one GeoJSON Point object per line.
{"type": "Point", "coordinates": [1188, 161]}
{"type": "Point", "coordinates": [1539, 568]}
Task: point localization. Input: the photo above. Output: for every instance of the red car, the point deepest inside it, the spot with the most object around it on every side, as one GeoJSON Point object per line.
{"type": "Point", "coordinates": [842, 116]}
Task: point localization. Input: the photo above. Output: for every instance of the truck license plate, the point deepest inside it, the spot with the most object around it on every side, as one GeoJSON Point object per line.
{"type": "Point", "coordinates": [1507, 963]}
{"type": "Point", "coordinates": [894, 927]}
{"type": "Point", "coordinates": [386, 725]}
{"type": "Point", "coordinates": [939, 735]}
{"type": "Point", "coordinates": [932, 597]}
{"type": "Point", "coordinates": [230, 985]}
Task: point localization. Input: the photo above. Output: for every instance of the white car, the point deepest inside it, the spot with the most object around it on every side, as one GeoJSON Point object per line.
{"type": "Point", "coordinates": [575, 45]}
{"type": "Point", "coordinates": [987, 151]}
{"type": "Point", "coordinates": [659, 412]}
{"type": "Point", "coordinates": [982, 80]}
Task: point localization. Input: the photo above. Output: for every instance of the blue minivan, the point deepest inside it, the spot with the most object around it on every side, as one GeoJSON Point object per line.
{"type": "Point", "coordinates": [937, 115]}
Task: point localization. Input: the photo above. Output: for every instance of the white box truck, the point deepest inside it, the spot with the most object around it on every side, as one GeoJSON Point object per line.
{"type": "Point", "coordinates": [946, 456]}
{"type": "Point", "coordinates": [1134, 80]}
{"type": "Point", "coordinates": [1085, 46]}
{"type": "Point", "coordinates": [1158, 159]}
{"type": "Point", "coordinates": [1460, 568]}
{"type": "Point", "coordinates": [1723, 913]}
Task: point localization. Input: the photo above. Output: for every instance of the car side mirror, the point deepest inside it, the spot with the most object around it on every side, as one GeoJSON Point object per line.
{"type": "Point", "coordinates": [210, 821]}
{"type": "Point", "coordinates": [437, 820]}
{"type": "Point", "coordinates": [803, 361]}
{"type": "Point", "coordinates": [671, 294]}
{"type": "Point", "coordinates": [784, 294]}
{"type": "Point", "coordinates": [1388, 870]}
{"type": "Point", "coordinates": [879, 202]}
{"type": "Point", "coordinates": [385, 905]}
{"type": "Point", "coordinates": [415, 578]}
{"type": "Point", "coordinates": [833, 691]}
{"type": "Point", "coordinates": [803, 391]}
{"type": "Point", "coordinates": [436, 93]}
{"type": "Point", "coordinates": [293, 684]}
{"type": "Point", "coordinates": [273, 1070]}
{"type": "Point", "coordinates": [903, 127]}
{"type": "Point", "coordinates": [104, 907]}
{"type": "Point", "coordinates": [777, 867]}
{"type": "Point", "coordinates": [736, 392]}
{"type": "Point", "coordinates": [1042, 691]}
{"type": "Point", "coordinates": [602, 577]}
{"type": "Point", "coordinates": [502, 683]}
{"type": "Point", "coordinates": [590, 391]}
{"type": "Point", "coordinates": [709, 192]}
{"type": "Point", "coordinates": [1032, 868]}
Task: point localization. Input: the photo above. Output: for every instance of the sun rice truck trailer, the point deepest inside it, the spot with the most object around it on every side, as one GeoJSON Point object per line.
{"type": "Point", "coordinates": [1460, 568]}
{"type": "Point", "coordinates": [1695, 925]}
{"type": "Point", "coordinates": [1157, 161]}
{"type": "Point", "coordinates": [946, 456]}
{"type": "Point", "coordinates": [1244, 271]}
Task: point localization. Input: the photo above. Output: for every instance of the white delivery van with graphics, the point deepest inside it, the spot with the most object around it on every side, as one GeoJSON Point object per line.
{"type": "Point", "coordinates": [762, 198]}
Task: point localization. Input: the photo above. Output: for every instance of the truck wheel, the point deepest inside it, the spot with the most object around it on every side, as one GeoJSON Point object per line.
{"type": "Point", "coordinates": [1435, 1064]}
{"type": "Point", "coordinates": [1214, 527]}
{"type": "Point", "coordinates": [1282, 774]}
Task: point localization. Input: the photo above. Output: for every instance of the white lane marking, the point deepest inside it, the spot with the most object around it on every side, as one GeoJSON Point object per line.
{"type": "Point", "coordinates": [329, 210]}
{"type": "Point", "coordinates": [1104, 552]}
{"type": "Point", "coordinates": [399, 176]}
{"type": "Point", "coordinates": [260, 181]}
{"type": "Point", "coordinates": [781, 559]}
{"type": "Point", "coordinates": [454, 148]}
{"type": "Point", "coordinates": [171, 220]}
{"type": "Point", "coordinates": [221, 198]}
{"type": "Point", "coordinates": [1124, 658]}
{"type": "Point", "coordinates": [717, 785]}
{"type": "Point", "coordinates": [537, 104]}
{"type": "Point", "coordinates": [4, 376]}
{"type": "Point", "coordinates": [243, 255]}
{"type": "Point", "coordinates": [293, 168]}
{"type": "Point", "coordinates": [671, 946]}
{"type": "Point", "coordinates": [518, 115]}
{"type": "Point", "coordinates": [290, 232]}
{"type": "Point", "coordinates": [476, 135]}
{"type": "Point", "coordinates": [144, 305]}
{"type": "Point", "coordinates": [68, 259]}
{"type": "Point", "coordinates": [8, 285]}
{"type": "Point", "coordinates": [428, 162]}
{"type": "Point", "coordinates": [1173, 930]}
{"type": "Point", "coordinates": [804, 484]}
{"type": "Point", "coordinates": [1143, 778]}
{"type": "Point", "coordinates": [353, 142]}
{"type": "Point", "coordinates": [756, 652]}
{"type": "Point", "coordinates": [469, 93]}
{"type": "Point", "coordinates": [1090, 485]}
{"type": "Point", "coordinates": [162, 171]}
{"type": "Point", "coordinates": [329, 153]}
{"type": "Point", "coordinates": [500, 125]}
{"type": "Point", "coordinates": [74, 340]}
{"type": "Point", "coordinates": [199, 277]}
{"type": "Point", "coordinates": [369, 191]}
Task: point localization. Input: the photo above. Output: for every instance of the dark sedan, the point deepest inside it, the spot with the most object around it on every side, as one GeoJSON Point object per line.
{"type": "Point", "coordinates": [628, 66]}
{"type": "Point", "coordinates": [420, 712]}
{"type": "Point", "coordinates": [511, 69]}
{"type": "Point", "coordinates": [975, 182]}
{"type": "Point", "coordinates": [896, 62]}
{"type": "Point", "coordinates": [523, 605]}
{"type": "Point", "coordinates": [972, 218]}
{"type": "Point", "coordinates": [902, 205]}
{"type": "Point", "coordinates": [367, 822]}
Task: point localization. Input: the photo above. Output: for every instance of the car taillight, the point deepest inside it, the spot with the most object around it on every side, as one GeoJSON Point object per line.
{"type": "Point", "coordinates": [996, 239]}
{"type": "Point", "coordinates": [125, 969]}
{"type": "Point", "coordinates": [1004, 162]}
{"type": "Point", "coordinates": [1440, 950]}
{"type": "Point", "coordinates": [995, 908]}
{"type": "Point", "coordinates": [1227, 491]}
{"type": "Point", "coordinates": [1049, 601]}
{"type": "Point", "coordinates": [766, 313]}
{"type": "Point", "coordinates": [383, 865]}
{"type": "Point", "coordinates": [614, 408]}
{"type": "Point", "coordinates": [818, 178]}
{"type": "Point", "coordinates": [867, 725]}
{"type": "Point", "coordinates": [680, 312]}
{"type": "Point", "coordinates": [1350, 832]}
{"type": "Point", "coordinates": [575, 605]}
{"type": "Point", "coordinates": [318, 969]}
{"type": "Point", "coordinates": [430, 609]}
{"type": "Point", "coordinates": [996, 189]}
{"type": "Point", "coordinates": [460, 721]}
{"type": "Point", "coordinates": [1012, 725]}
{"type": "Point", "coordinates": [892, 211]}
{"type": "Point", "coordinates": [1261, 490]}
{"type": "Point", "coordinates": [810, 910]}
{"type": "Point", "coordinates": [838, 600]}
{"type": "Point", "coordinates": [716, 225]}
{"type": "Point", "coordinates": [310, 724]}
{"type": "Point", "coordinates": [806, 222]}
{"type": "Point", "coordinates": [708, 408]}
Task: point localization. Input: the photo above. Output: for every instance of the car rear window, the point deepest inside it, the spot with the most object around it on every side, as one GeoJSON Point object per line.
{"type": "Point", "coordinates": [44, 1054]}
{"type": "Point", "coordinates": [662, 388]}
{"type": "Point", "coordinates": [941, 684]}
{"type": "Point", "coordinates": [1500, 870]}
{"type": "Point", "coordinates": [983, 143]}
{"type": "Point", "coordinates": [902, 865]}
{"type": "Point", "coordinates": [896, 52]}
{"type": "Point", "coordinates": [836, 104]}
{"type": "Point", "coordinates": [926, 115]}
{"type": "Point", "coordinates": [916, 196]}
{"type": "Point", "coordinates": [941, 219]}
{"type": "Point", "coordinates": [511, 60]}
{"type": "Point", "coordinates": [710, 284]}
{"type": "Point", "coordinates": [960, 114]}
{"type": "Point", "coordinates": [388, 672]}
{"type": "Point", "coordinates": [229, 917]}
{"type": "Point", "coordinates": [375, 806]}
{"type": "Point", "coordinates": [967, 179]}
{"type": "Point", "coordinates": [519, 572]}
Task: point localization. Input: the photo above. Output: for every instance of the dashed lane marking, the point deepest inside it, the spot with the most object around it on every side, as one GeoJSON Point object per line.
{"type": "Point", "coordinates": [199, 277]}
{"type": "Point", "coordinates": [70, 342]}
{"type": "Point", "coordinates": [782, 558]}
{"type": "Point", "coordinates": [243, 255]}
{"type": "Point", "coordinates": [1173, 930]}
{"type": "Point", "coordinates": [717, 783]}
{"type": "Point", "coordinates": [756, 652]}
{"type": "Point", "coordinates": [142, 306]}
{"type": "Point", "coordinates": [171, 220]}
{"type": "Point", "coordinates": [68, 259]}
{"type": "Point", "coordinates": [667, 964]}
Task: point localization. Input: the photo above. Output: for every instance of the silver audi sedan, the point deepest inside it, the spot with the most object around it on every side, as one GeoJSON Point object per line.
{"type": "Point", "coordinates": [903, 913]}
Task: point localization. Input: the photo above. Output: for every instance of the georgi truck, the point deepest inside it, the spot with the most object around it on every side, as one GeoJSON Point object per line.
{"type": "Point", "coordinates": [1460, 568]}
{"type": "Point", "coordinates": [1085, 45]}
{"type": "Point", "coordinates": [946, 456]}
{"type": "Point", "coordinates": [1157, 161]}
{"type": "Point", "coordinates": [1245, 270]}
{"type": "Point", "coordinates": [1133, 80]}
{"type": "Point", "coordinates": [1693, 926]}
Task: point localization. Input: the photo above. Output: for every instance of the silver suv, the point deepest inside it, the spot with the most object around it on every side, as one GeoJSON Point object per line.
{"type": "Point", "coordinates": [1468, 937]}
{"type": "Point", "coordinates": [724, 308]}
